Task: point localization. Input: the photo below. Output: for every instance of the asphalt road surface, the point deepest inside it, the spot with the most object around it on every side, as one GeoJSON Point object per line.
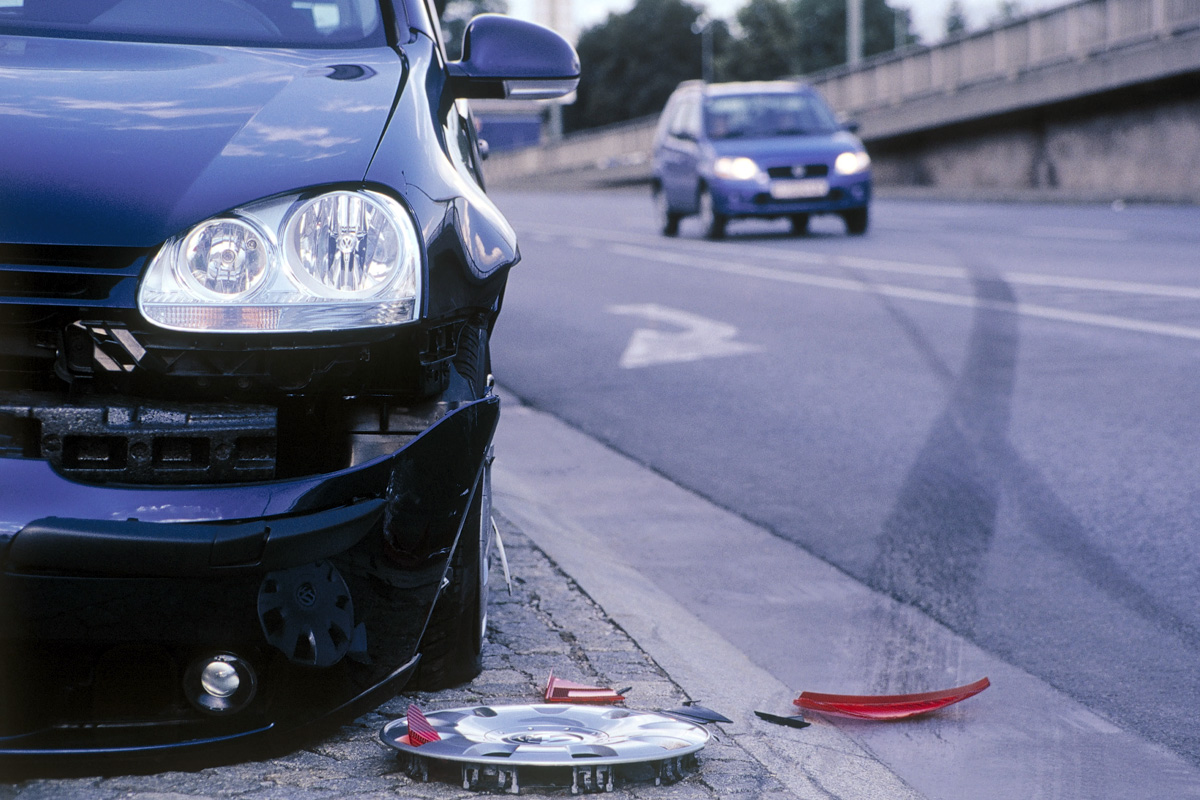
{"type": "Point", "coordinates": [985, 411]}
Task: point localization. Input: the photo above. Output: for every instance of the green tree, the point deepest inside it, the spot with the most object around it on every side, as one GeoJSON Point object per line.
{"type": "Point", "coordinates": [903, 34]}
{"type": "Point", "coordinates": [795, 37]}
{"type": "Point", "coordinates": [633, 61]}
{"type": "Point", "coordinates": [1007, 11]}
{"type": "Point", "coordinates": [768, 45]}
{"type": "Point", "coordinates": [956, 19]}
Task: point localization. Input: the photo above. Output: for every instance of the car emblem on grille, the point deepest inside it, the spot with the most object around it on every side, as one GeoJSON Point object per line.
{"type": "Point", "coordinates": [798, 172]}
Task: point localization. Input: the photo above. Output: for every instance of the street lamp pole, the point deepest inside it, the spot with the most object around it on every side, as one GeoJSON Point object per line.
{"type": "Point", "coordinates": [854, 31]}
{"type": "Point", "coordinates": [703, 26]}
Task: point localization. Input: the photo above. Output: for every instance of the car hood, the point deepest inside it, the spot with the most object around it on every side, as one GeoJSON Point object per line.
{"type": "Point", "coordinates": [127, 143]}
{"type": "Point", "coordinates": [789, 149]}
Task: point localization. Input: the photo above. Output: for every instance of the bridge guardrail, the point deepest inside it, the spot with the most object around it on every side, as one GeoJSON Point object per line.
{"type": "Point", "coordinates": [1073, 32]}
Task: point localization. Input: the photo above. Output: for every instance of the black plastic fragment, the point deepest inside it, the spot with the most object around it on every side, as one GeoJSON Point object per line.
{"type": "Point", "coordinates": [695, 713]}
{"type": "Point", "coordinates": [797, 721]}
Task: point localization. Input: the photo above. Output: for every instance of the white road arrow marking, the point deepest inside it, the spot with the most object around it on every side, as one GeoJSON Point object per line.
{"type": "Point", "coordinates": [699, 338]}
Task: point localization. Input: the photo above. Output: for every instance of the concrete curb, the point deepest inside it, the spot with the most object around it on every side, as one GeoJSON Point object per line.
{"type": "Point", "coordinates": [818, 762]}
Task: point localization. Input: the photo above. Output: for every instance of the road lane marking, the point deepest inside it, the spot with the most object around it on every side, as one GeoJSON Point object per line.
{"type": "Point", "coordinates": [1101, 285]}
{"type": "Point", "coordinates": [1087, 234]}
{"type": "Point", "coordinates": [907, 293]}
{"type": "Point", "coordinates": [697, 338]}
{"type": "Point", "coordinates": [1172, 291]}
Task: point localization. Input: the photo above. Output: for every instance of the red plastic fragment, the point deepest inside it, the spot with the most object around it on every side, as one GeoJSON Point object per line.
{"type": "Point", "coordinates": [887, 706]}
{"type": "Point", "coordinates": [419, 730]}
{"type": "Point", "coordinates": [560, 691]}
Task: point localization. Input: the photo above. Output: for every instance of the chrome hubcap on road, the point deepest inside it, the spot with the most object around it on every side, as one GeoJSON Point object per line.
{"type": "Point", "coordinates": [491, 742]}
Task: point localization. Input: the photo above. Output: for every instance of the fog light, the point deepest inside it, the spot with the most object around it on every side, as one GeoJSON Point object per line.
{"type": "Point", "coordinates": [220, 679]}
{"type": "Point", "coordinates": [220, 683]}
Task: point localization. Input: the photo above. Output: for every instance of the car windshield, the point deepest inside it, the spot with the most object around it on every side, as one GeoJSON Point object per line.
{"type": "Point", "coordinates": [759, 116]}
{"type": "Point", "coordinates": [256, 23]}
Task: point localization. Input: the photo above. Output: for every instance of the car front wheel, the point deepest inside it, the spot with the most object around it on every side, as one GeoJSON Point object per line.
{"type": "Point", "coordinates": [856, 221]}
{"type": "Point", "coordinates": [668, 218]}
{"type": "Point", "coordinates": [712, 224]}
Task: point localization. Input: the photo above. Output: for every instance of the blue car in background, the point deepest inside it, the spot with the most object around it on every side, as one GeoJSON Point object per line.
{"type": "Point", "coordinates": [757, 149]}
{"type": "Point", "coordinates": [248, 274]}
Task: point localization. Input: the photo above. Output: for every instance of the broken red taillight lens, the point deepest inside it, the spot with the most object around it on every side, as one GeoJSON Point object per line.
{"type": "Point", "coordinates": [887, 706]}
{"type": "Point", "coordinates": [419, 730]}
{"type": "Point", "coordinates": [560, 691]}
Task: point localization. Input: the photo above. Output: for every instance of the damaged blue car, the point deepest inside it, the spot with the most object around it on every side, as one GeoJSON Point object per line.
{"type": "Point", "coordinates": [248, 274]}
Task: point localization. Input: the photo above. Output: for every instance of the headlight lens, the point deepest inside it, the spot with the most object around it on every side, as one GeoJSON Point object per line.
{"type": "Point", "coordinates": [737, 169]}
{"type": "Point", "coordinates": [225, 259]}
{"type": "Point", "coordinates": [337, 260]}
{"type": "Point", "coordinates": [850, 163]}
{"type": "Point", "coordinates": [343, 243]}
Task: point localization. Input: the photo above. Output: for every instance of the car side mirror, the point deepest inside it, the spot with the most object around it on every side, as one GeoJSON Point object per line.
{"type": "Point", "coordinates": [505, 57]}
{"type": "Point", "coordinates": [851, 125]}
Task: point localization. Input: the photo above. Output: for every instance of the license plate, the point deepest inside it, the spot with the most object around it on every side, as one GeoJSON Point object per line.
{"type": "Point", "coordinates": [797, 189]}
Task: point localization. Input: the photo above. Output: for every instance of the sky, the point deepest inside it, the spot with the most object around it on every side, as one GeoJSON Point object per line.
{"type": "Point", "coordinates": [928, 15]}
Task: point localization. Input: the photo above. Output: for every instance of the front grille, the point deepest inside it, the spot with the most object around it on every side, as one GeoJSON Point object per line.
{"type": "Point", "coordinates": [43, 255]}
{"type": "Point", "coordinates": [59, 286]}
{"type": "Point", "coordinates": [799, 171]}
{"type": "Point", "coordinates": [69, 275]}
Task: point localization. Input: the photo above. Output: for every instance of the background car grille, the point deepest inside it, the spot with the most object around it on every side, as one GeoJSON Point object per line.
{"type": "Point", "coordinates": [799, 171]}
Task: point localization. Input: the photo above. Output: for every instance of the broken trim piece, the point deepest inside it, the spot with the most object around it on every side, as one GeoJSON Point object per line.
{"type": "Point", "coordinates": [887, 707]}
{"type": "Point", "coordinates": [697, 713]}
{"type": "Point", "coordinates": [419, 730]}
{"type": "Point", "coordinates": [796, 721]}
{"type": "Point", "coordinates": [560, 691]}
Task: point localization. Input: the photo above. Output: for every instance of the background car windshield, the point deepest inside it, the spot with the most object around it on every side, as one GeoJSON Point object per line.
{"type": "Point", "coordinates": [264, 23]}
{"type": "Point", "coordinates": [758, 116]}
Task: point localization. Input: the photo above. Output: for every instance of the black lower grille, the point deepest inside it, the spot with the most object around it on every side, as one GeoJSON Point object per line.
{"type": "Point", "coordinates": [128, 442]}
{"type": "Point", "coordinates": [765, 199]}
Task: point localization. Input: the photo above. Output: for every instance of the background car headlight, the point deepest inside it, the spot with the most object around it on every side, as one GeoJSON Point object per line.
{"type": "Point", "coordinates": [333, 261]}
{"type": "Point", "coordinates": [850, 163]}
{"type": "Point", "coordinates": [738, 169]}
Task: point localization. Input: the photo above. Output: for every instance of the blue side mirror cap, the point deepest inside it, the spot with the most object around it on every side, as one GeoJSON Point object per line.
{"type": "Point", "coordinates": [505, 57]}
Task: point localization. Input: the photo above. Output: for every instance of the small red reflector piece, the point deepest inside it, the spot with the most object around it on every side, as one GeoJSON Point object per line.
{"type": "Point", "coordinates": [887, 706]}
{"type": "Point", "coordinates": [419, 730]}
{"type": "Point", "coordinates": [560, 691]}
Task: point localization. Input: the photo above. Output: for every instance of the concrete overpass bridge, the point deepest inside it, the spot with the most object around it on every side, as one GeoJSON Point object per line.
{"type": "Point", "coordinates": [1098, 99]}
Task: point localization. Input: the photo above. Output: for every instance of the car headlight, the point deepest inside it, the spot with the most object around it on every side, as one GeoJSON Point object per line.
{"type": "Point", "coordinates": [850, 163]}
{"type": "Point", "coordinates": [336, 260]}
{"type": "Point", "coordinates": [738, 169]}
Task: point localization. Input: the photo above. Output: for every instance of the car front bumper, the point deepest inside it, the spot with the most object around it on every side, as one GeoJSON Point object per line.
{"type": "Point", "coordinates": [318, 588]}
{"type": "Point", "coordinates": [755, 199]}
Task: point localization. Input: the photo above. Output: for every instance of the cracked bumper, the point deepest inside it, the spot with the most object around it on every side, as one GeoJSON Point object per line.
{"type": "Point", "coordinates": [320, 586]}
